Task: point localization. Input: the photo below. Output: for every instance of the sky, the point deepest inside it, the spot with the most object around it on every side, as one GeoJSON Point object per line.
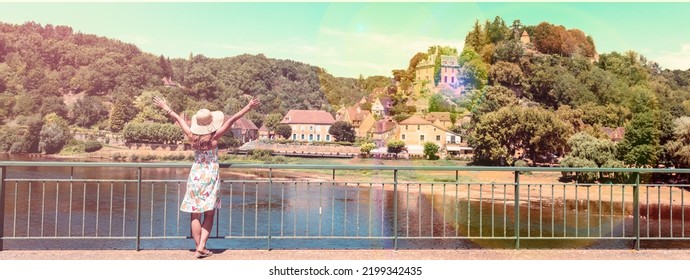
{"type": "Point", "coordinates": [352, 38]}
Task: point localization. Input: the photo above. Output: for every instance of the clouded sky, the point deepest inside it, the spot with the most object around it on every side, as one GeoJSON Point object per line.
{"type": "Point", "coordinates": [348, 39]}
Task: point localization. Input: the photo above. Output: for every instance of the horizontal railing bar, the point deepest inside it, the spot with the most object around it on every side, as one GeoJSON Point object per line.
{"type": "Point", "coordinates": [347, 237]}
{"type": "Point", "coordinates": [73, 180]}
{"type": "Point", "coordinates": [340, 167]}
{"type": "Point", "coordinates": [71, 237]}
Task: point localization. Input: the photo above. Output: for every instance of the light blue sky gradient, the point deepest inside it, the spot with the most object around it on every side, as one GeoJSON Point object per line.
{"type": "Point", "coordinates": [348, 39]}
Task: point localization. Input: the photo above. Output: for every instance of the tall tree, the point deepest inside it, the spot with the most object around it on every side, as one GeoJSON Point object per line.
{"type": "Point", "coordinates": [640, 145]}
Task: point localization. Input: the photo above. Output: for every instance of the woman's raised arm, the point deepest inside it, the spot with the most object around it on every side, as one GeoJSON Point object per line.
{"type": "Point", "coordinates": [228, 123]}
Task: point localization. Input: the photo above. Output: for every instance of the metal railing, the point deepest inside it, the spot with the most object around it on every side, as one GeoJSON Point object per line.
{"type": "Point", "coordinates": [47, 205]}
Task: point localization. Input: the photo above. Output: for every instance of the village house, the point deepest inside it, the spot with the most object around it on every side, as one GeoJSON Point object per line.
{"type": "Point", "coordinates": [415, 131]}
{"type": "Point", "coordinates": [361, 120]}
{"type": "Point", "coordinates": [309, 125]}
{"type": "Point", "coordinates": [265, 133]}
{"type": "Point", "coordinates": [381, 106]}
{"type": "Point", "coordinates": [424, 74]}
{"type": "Point", "coordinates": [383, 130]}
{"type": "Point", "coordinates": [441, 119]}
{"type": "Point", "coordinates": [244, 130]}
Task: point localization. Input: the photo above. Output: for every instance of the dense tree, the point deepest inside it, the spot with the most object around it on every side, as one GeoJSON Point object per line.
{"type": "Point", "coordinates": [500, 135]}
{"type": "Point", "coordinates": [342, 131]}
{"type": "Point", "coordinates": [88, 111]}
{"type": "Point", "coordinates": [585, 146]}
{"type": "Point", "coordinates": [437, 103]}
{"type": "Point", "coordinates": [626, 67]}
{"type": "Point", "coordinates": [121, 112]}
{"type": "Point", "coordinates": [509, 51]}
{"type": "Point", "coordinates": [475, 72]}
{"type": "Point", "coordinates": [54, 134]}
{"type": "Point", "coordinates": [490, 99]}
{"type": "Point", "coordinates": [284, 130]}
{"type": "Point", "coordinates": [272, 120]}
{"type": "Point", "coordinates": [508, 75]}
{"type": "Point", "coordinates": [640, 145]}
{"type": "Point", "coordinates": [679, 147]}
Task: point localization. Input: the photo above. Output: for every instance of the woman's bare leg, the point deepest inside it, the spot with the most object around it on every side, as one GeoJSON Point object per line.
{"type": "Point", "coordinates": [205, 229]}
{"type": "Point", "coordinates": [196, 229]}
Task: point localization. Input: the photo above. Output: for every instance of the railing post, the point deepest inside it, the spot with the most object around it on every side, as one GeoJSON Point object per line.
{"type": "Point", "coordinates": [138, 237]}
{"type": "Point", "coordinates": [333, 174]}
{"type": "Point", "coordinates": [3, 174]}
{"type": "Point", "coordinates": [395, 209]}
{"type": "Point", "coordinates": [517, 210]}
{"type": "Point", "coordinates": [270, 183]}
{"type": "Point", "coordinates": [636, 210]}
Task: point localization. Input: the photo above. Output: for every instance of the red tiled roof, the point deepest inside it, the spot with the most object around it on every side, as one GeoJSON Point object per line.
{"type": "Point", "coordinates": [263, 128]}
{"type": "Point", "coordinates": [383, 126]}
{"type": "Point", "coordinates": [442, 116]}
{"type": "Point", "coordinates": [244, 124]}
{"type": "Point", "coordinates": [308, 117]}
{"type": "Point", "coordinates": [357, 114]}
{"type": "Point", "coordinates": [415, 120]}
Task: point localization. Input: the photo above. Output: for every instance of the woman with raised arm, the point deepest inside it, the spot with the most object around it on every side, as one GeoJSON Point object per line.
{"type": "Point", "coordinates": [203, 184]}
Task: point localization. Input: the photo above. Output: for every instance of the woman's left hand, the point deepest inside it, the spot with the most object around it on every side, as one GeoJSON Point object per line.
{"type": "Point", "coordinates": [253, 103]}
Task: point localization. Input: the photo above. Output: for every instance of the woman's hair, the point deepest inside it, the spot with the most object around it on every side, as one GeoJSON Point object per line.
{"type": "Point", "coordinates": [202, 142]}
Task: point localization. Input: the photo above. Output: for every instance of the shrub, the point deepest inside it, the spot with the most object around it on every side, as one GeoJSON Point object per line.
{"type": "Point", "coordinates": [92, 146]}
{"type": "Point", "coordinates": [73, 147]}
{"type": "Point", "coordinates": [366, 148]}
{"type": "Point", "coordinates": [430, 150]}
{"type": "Point", "coordinates": [262, 155]}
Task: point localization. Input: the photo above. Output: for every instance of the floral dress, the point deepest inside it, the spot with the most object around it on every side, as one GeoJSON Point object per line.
{"type": "Point", "coordinates": [203, 184]}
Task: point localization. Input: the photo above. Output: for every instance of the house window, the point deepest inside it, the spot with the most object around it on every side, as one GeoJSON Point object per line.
{"type": "Point", "coordinates": [405, 127]}
{"type": "Point", "coordinates": [294, 136]}
{"type": "Point", "coordinates": [311, 128]}
{"type": "Point", "coordinates": [445, 79]}
{"type": "Point", "coordinates": [452, 80]}
{"type": "Point", "coordinates": [328, 137]}
{"type": "Point", "coordinates": [402, 137]}
{"type": "Point", "coordinates": [311, 137]}
{"type": "Point", "coordinates": [302, 136]}
{"type": "Point", "coordinates": [318, 137]}
{"type": "Point", "coordinates": [421, 137]}
{"type": "Point", "coordinates": [417, 127]}
{"type": "Point", "coordinates": [438, 138]}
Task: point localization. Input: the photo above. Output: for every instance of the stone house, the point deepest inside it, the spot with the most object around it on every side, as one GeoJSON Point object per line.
{"type": "Point", "coordinates": [309, 125]}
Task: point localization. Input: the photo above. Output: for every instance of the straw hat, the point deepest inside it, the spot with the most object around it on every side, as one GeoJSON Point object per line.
{"type": "Point", "coordinates": [205, 121]}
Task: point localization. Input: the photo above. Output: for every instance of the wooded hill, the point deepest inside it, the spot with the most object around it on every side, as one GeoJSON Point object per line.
{"type": "Point", "coordinates": [554, 95]}
{"type": "Point", "coordinates": [102, 81]}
